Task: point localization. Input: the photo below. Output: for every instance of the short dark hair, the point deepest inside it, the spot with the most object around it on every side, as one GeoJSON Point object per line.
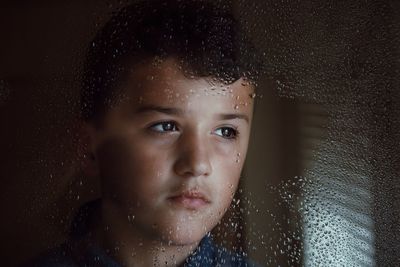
{"type": "Point", "coordinates": [204, 37]}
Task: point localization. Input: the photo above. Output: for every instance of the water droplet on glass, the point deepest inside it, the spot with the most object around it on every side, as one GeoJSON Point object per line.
{"type": "Point", "coordinates": [131, 218]}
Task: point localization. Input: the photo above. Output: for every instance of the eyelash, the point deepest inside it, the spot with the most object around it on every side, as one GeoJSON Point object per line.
{"type": "Point", "coordinates": [234, 133]}
{"type": "Point", "coordinates": [162, 124]}
{"type": "Point", "coordinates": [170, 126]}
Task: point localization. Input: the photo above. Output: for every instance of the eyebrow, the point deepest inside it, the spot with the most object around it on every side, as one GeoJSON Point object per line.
{"type": "Point", "coordinates": [234, 116]}
{"type": "Point", "coordinates": [166, 110]}
{"type": "Point", "coordinates": [180, 112]}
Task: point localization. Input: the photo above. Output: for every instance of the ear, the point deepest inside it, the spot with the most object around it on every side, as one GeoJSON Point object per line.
{"type": "Point", "coordinates": [87, 150]}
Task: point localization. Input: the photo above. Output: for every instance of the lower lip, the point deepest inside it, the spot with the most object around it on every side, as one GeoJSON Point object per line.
{"type": "Point", "coordinates": [188, 202]}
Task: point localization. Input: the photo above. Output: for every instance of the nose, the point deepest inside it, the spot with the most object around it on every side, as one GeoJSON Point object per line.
{"type": "Point", "coordinates": [193, 158]}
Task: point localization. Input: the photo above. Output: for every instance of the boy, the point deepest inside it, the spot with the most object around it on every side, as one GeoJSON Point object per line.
{"type": "Point", "coordinates": [167, 103]}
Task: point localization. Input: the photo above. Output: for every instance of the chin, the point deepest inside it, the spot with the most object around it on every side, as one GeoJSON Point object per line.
{"type": "Point", "coordinates": [185, 234]}
{"type": "Point", "coordinates": [184, 238]}
{"type": "Point", "coordinates": [187, 231]}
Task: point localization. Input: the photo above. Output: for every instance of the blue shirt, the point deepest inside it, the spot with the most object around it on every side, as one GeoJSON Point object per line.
{"type": "Point", "coordinates": [207, 254]}
{"type": "Point", "coordinates": [77, 253]}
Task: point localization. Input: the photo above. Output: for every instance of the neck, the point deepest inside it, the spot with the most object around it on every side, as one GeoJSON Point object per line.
{"type": "Point", "coordinates": [132, 247]}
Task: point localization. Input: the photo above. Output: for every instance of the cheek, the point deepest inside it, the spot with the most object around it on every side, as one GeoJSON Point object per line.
{"type": "Point", "coordinates": [230, 155]}
{"type": "Point", "coordinates": [227, 174]}
{"type": "Point", "coordinates": [228, 165]}
{"type": "Point", "coordinates": [130, 171]}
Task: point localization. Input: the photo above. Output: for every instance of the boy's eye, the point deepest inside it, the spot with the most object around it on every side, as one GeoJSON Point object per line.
{"type": "Point", "coordinates": [167, 126]}
{"type": "Point", "coordinates": [227, 132]}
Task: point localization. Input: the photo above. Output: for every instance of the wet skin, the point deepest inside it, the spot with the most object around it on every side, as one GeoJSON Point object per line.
{"type": "Point", "coordinates": [169, 154]}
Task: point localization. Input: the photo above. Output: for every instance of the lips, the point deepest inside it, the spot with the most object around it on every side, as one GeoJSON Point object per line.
{"type": "Point", "coordinates": [190, 199]}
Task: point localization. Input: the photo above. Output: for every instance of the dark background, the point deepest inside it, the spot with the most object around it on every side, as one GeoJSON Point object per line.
{"type": "Point", "coordinates": [334, 76]}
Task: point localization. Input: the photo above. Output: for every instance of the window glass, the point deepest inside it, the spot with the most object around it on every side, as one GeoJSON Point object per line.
{"type": "Point", "coordinates": [319, 185]}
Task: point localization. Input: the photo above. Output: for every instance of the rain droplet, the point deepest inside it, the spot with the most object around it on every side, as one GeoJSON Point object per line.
{"type": "Point", "coordinates": [131, 218]}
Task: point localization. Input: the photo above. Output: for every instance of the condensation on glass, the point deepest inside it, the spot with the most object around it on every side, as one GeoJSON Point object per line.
{"type": "Point", "coordinates": [339, 65]}
{"type": "Point", "coordinates": [320, 185]}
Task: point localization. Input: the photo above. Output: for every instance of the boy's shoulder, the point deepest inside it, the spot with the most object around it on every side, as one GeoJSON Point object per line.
{"type": "Point", "coordinates": [60, 256]}
{"type": "Point", "coordinates": [73, 254]}
{"type": "Point", "coordinates": [208, 254]}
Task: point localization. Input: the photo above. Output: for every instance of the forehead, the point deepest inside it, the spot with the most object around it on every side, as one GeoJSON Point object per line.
{"type": "Point", "coordinates": [168, 82]}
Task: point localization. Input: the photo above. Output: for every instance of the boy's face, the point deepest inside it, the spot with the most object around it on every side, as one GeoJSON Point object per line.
{"type": "Point", "coordinates": [170, 152]}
